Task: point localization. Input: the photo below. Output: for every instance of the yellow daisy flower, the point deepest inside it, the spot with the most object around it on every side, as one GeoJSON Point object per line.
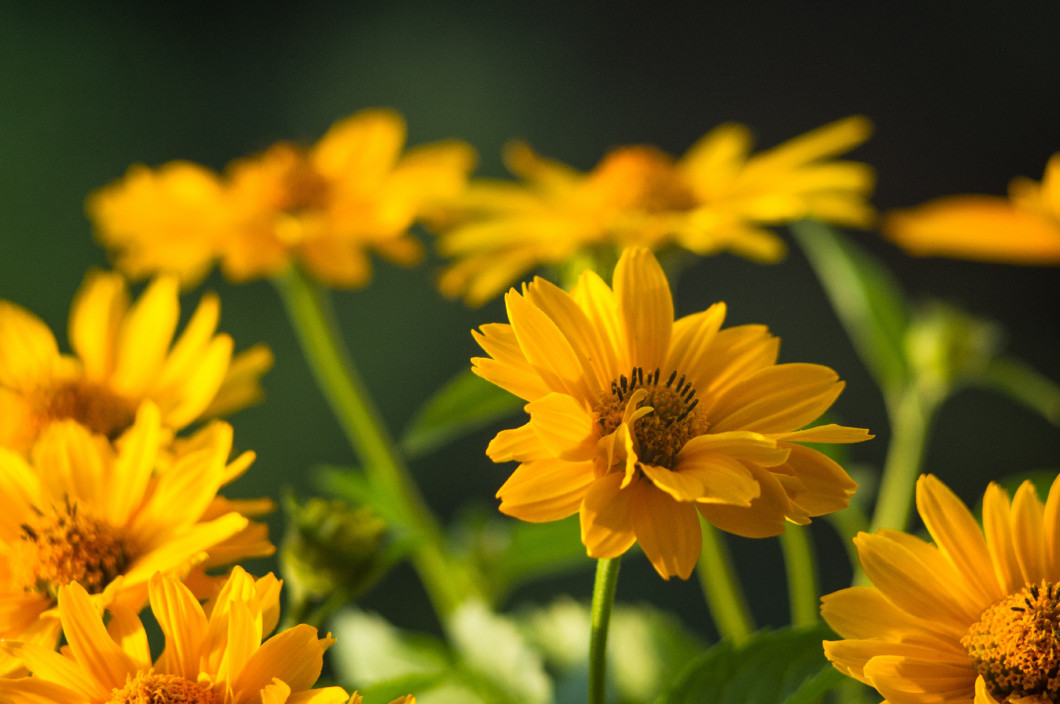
{"type": "Point", "coordinates": [213, 655]}
{"type": "Point", "coordinates": [638, 422]}
{"type": "Point", "coordinates": [973, 617]}
{"type": "Point", "coordinates": [103, 515]}
{"type": "Point", "coordinates": [326, 207]}
{"type": "Point", "coordinates": [124, 354]}
{"type": "Point", "coordinates": [717, 197]}
{"type": "Point", "coordinates": [1023, 229]}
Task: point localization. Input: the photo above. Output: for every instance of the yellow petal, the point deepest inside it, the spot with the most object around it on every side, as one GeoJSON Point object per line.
{"type": "Point", "coordinates": [902, 678]}
{"type": "Point", "coordinates": [668, 531]}
{"type": "Point", "coordinates": [707, 478]}
{"type": "Point", "coordinates": [594, 350]}
{"type": "Point", "coordinates": [998, 532]}
{"type": "Point", "coordinates": [546, 349]}
{"type": "Point", "coordinates": [1051, 528]}
{"type": "Point", "coordinates": [181, 550]}
{"type": "Point", "coordinates": [1027, 535]}
{"type": "Point", "coordinates": [242, 383]}
{"type": "Point", "coordinates": [958, 536]}
{"type": "Point", "coordinates": [509, 368]}
{"type": "Point", "coordinates": [738, 444]}
{"type": "Point", "coordinates": [545, 490]}
{"type": "Point", "coordinates": [983, 228]}
{"type": "Point", "coordinates": [128, 632]}
{"type": "Point", "coordinates": [777, 399]}
{"type": "Point", "coordinates": [692, 338]}
{"type": "Point", "coordinates": [863, 612]}
{"type": "Point", "coordinates": [819, 485]}
{"type": "Point", "coordinates": [362, 147]}
{"type": "Point", "coordinates": [88, 640]}
{"type": "Point", "coordinates": [711, 164]}
{"type": "Point", "coordinates": [276, 692]}
{"type": "Point", "coordinates": [34, 690]}
{"type": "Point", "coordinates": [764, 518]}
{"type": "Point", "coordinates": [182, 621]}
{"type": "Point", "coordinates": [145, 336]}
{"type": "Point", "coordinates": [605, 518]}
{"type": "Point", "coordinates": [95, 319]}
{"type": "Point", "coordinates": [295, 656]}
{"type": "Point", "coordinates": [564, 426]}
{"type": "Point", "coordinates": [517, 444]}
{"type": "Point", "coordinates": [923, 589]}
{"type": "Point", "coordinates": [645, 307]}
{"type": "Point", "coordinates": [134, 465]}
{"type": "Point", "coordinates": [601, 307]}
{"type": "Point", "coordinates": [735, 353]}
{"type": "Point", "coordinates": [830, 433]}
{"type": "Point", "coordinates": [27, 348]}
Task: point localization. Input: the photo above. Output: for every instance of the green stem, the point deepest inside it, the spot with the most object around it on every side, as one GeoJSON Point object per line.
{"type": "Point", "coordinates": [800, 564]}
{"type": "Point", "coordinates": [317, 330]}
{"type": "Point", "coordinates": [910, 419]}
{"type": "Point", "coordinates": [603, 601]}
{"type": "Point", "coordinates": [725, 597]}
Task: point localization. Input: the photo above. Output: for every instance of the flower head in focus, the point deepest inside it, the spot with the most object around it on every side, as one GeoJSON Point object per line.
{"type": "Point", "coordinates": [717, 197]}
{"type": "Point", "coordinates": [109, 516]}
{"type": "Point", "coordinates": [124, 354]}
{"type": "Point", "coordinates": [1022, 229]}
{"type": "Point", "coordinates": [972, 617]}
{"type": "Point", "coordinates": [326, 207]}
{"type": "Point", "coordinates": [217, 654]}
{"type": "Point", "coordinates": [641, 423]}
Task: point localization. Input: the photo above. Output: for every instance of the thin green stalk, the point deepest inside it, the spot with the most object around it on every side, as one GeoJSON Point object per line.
{"type": "Point", "coordinates": [800, 564]}
{"type": "Point", "coordinates": [910, 420]}
{"type": "Point", "coordinates": [603, 601]}
{"type": "Point", "coordinates": [308, 308]}
{"type": "Point", "coordinates": [721, 587]}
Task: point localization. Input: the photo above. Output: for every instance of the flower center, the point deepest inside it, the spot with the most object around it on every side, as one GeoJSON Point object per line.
{"type": "Point", "coordinates": [673, 421]}
{"type": "Point", "coordinates": [96, 407]}
{"type": "Point", "coordinates": [65, 546]}
{"type": "Point", "coordinates": [1016, 644]}
{"type": "Point", "coordinates": [150, 688]}
{"type": "Point", "coordinates": [641, 178]}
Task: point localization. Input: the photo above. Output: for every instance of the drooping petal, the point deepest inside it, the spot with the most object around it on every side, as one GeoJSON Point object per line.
{"type": "Point", "coordinates": [607, 530]}
{"type": "Point", "coordinates": [817, 484]}
{"type": "Point", "coordinates": [764, 518]}
{"type": "Point", "coordinates": [708, 478]}
{"type": "Point", "coordinates": [668, 531]}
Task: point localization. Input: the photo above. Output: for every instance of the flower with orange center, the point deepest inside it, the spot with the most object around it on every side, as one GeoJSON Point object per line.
{"type": "Point", "coordinates": [972, 617]}
{"type": "Point", "coordinates": [326, 207]}
{"type": "Point", "coordinates": [717, 197]}
{"type": "Point", "coordinates": [1022, 229]}
{"type": "Point", "coordinates": [639, 422]}
{"type": "Point", "coordinates": [124, 354]}
{"type": "Point", "coordinates": [107, 517]}
{"type": "Point", "coordinates": [217, 654]}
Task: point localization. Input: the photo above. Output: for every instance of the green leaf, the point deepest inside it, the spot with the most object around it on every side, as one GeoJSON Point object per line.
{"type": "Point", "coordinates": [370, 652]}
{"type": "Point", "coordinates": [465, 404]}
{"type": "Point", "coordinates": [867, 299]}
{"type": "Point", "coordinates": [784, 666]}
{"type": "Point", "coordinates": [497, 656]}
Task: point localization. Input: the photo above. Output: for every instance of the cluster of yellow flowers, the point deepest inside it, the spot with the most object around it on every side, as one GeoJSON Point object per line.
{"type": "Point", "coordinates": [645, 426]}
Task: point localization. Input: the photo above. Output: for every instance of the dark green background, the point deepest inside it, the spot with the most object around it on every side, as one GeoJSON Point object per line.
{"type": "Point", "coordinates": [964, 96]}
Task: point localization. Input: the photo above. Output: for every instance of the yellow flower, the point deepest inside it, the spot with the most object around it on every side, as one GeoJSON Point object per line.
{"type": "Point", "coordinates": [213, 655]}
{"type": "Point", "coordinates": [124, 354]}
{"type": "Point", "coordinates": [1024, 229]}
{"type": "Point", "coordinates": [407, 699]}
{"type": "Point", "coordinates": [108, 518]}
{"type": "Point", "coordinates": [717, 197]}
{"type": "Point", "coordinates": [326, 207]}
{"type": "Point", "coordinates": [639, 422]}
{"type": "Point", "coordinates": [973, 617]}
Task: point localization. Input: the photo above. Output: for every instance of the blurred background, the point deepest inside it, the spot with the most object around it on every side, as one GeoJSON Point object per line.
{"type": "Point", "coordinates": [964, 96]}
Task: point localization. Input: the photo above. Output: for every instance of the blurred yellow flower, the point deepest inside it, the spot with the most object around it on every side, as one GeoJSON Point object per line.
{"type": "Point", "coordinates": [638, 422]}
{"type": "Point", "coordinates": [973, 617]}
{"type": "Point", "coordinates": [213, 655]}
{"type": "Point", "coordinates": [124, 354]}
{"type": "Point", "coordinates": [326, 207]}
{"type": "Point", "coordinates": [1023, 229]}
{"type": "Point", "coordinates": [83, 510]}
{"type": "Point", "coordinates": [717, 197]}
